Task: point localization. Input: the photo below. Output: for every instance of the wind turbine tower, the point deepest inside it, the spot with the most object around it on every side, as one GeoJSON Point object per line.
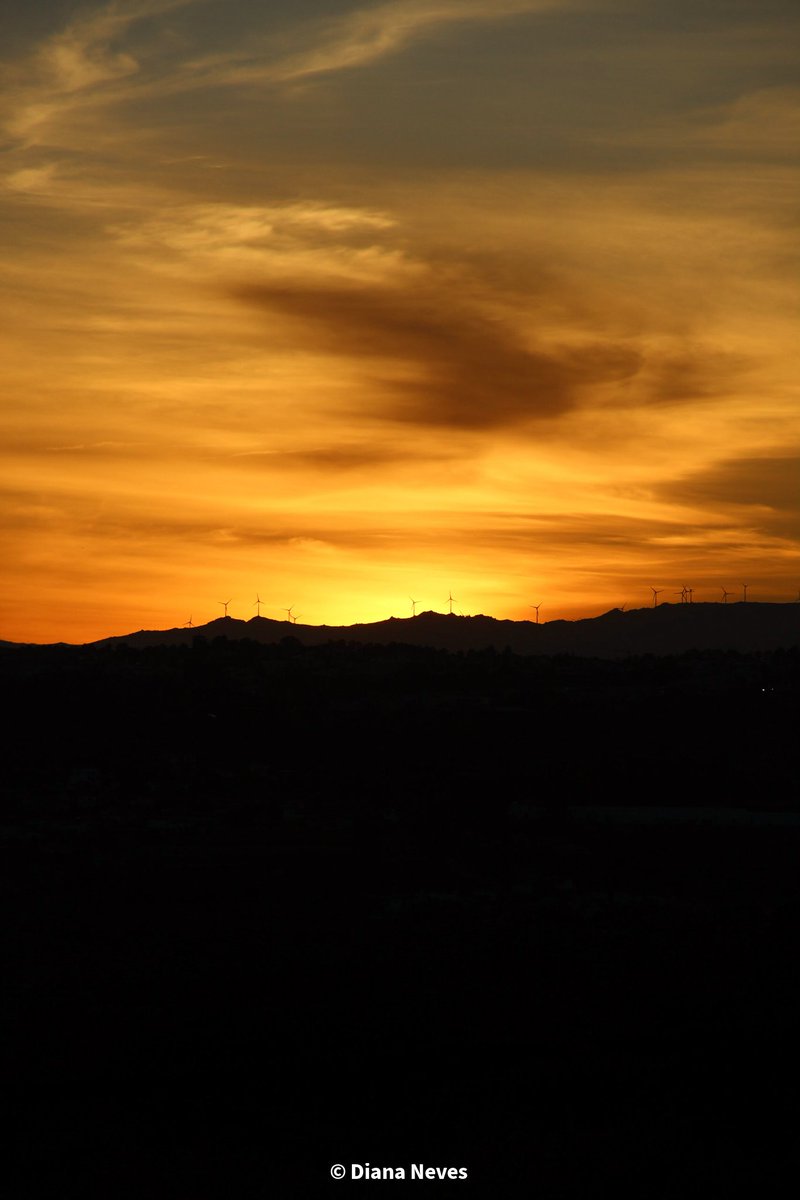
{"type": "Point", "coordinates": [257, 605]}
{"type": "Point", "coordinates": [536, 608]}
{"type": "Point", "coordinates": [414, 604]}
{"type": "Point", "coordinates": [725, 595]}
{"type": "Point", "coordinates": [656, 593]}
{"type": "Point", "coordinates": [451, 602]}
{"type": "Point", "coordinates": [224, 604]}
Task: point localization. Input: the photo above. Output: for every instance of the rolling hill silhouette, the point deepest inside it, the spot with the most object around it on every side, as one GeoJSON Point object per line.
{"type": "Point", "coordinates": [668, 629]}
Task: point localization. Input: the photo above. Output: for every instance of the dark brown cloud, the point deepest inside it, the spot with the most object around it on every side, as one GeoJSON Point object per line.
{"type": "Point", "coordinates": [695, 374]}
{"type": "Point", "coordinates": [769, 487]}
{"type": "Point", "coordinates": [340, 458]}
{"type": "Point", "coordinates": [474, 373]}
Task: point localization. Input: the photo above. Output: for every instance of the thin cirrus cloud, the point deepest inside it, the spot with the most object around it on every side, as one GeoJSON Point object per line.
{"type": "Point", "coordinates": [367, 34]}
{"type": "Point", "coordinates": [83, 68]}
{"type": "Point", "coordinates": [68, 70]}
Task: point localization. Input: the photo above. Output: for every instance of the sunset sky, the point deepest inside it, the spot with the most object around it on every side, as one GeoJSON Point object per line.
{"type": "Point", "coordinates": [342, 303]}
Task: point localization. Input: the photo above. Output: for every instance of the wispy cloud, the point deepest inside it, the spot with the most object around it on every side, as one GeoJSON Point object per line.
{"type": "Point", "coordinates": [69, 69]}
{"type": "Point", "coordinates": [219, 229]}
{"type": "Point", "coordinates": [758, 124]}
{"type": "Point", "coordinates": [86, 67]}
{"type": "Point", "coordinates": [365, 35]}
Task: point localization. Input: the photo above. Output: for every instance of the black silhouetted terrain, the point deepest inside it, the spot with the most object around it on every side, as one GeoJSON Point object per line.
{"type": "Point", "coordinates": [276, 906]}
{"type": "Point", "coordinates": [667, 629]}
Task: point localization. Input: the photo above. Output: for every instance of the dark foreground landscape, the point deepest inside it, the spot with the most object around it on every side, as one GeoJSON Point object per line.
{"type": "Point", "coordinates": [276, 906]}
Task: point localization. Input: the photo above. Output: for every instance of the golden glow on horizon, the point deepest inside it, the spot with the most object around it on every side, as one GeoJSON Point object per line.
{"type": "Point", "coordinates": [252, 355]}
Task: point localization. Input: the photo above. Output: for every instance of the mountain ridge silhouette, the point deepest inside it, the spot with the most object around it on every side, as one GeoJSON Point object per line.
{"type": "Point", "coordinates": [668, 629]}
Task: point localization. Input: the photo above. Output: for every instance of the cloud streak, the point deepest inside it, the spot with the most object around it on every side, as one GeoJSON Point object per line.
{"type": "Point", "coordinates": [439, 362]}
{"type": "Point", "coordinates": [69, 69]}
{"type": "Point", "coordinates": [763, 492]}
{"type": "Point", "coordinates": [84, 68]}
{"type": "Point", "coordinates": [366, 35]}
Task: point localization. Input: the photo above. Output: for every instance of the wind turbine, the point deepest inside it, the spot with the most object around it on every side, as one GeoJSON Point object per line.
{"type": "Point", "coordinates": [682, 594]}
{"type": "Point", "coordinates": [224, 604]}
{"type": "Point", "coordinates": [656, 593]}
{"type": "Point", "coordinates": [690, 594]}
{"type": "Point", "coordinates": [188, 624]}
{"type": "Point", "coordinates": [451, 602]}
{"type": "Point", "coordinates": [414, 604]}
{"type": "Point", "coordinates": [725, 595]}
{"type": "Point", "coordinates": [288, 612]}
{"type": "Point", "coordinates": [745, 587]}
{"type": "Point", "coordinates": [257, 605]}
{"type": "Point", "coordinates": [536, 608]}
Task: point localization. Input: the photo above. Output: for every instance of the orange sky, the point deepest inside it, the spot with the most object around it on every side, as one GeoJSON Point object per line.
{"type": "Point", "coordinates": [343, 304]}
